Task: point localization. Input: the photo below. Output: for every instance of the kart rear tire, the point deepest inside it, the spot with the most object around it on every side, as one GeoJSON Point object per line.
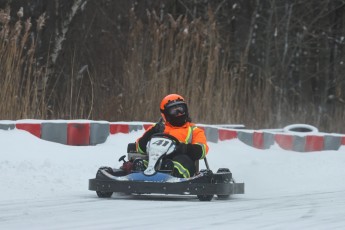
{"type": "Point", "coordinates": [102, 194]}
{"type": "Point", "coordinates": [223, 197]}
{"type": "Point", "coordinates": [205, 197]}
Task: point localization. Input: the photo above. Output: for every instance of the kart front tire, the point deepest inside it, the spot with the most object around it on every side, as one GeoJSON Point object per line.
{"type": "Point", "coordinates": [205, 197]}
{"type": "Point", "coordinates": [102, 194]}
{"type": "Point", "coordinates": [99, 174]}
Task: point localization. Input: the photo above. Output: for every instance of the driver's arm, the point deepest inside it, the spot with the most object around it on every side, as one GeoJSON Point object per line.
{"type": "Point", "coordinates": [199, 139]}
{"type": "Point", "coordinates": [197, 149]}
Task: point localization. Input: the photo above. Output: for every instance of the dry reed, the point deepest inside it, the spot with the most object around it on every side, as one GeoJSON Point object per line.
{"type": "Point", "coordinates": [165, 55]}
{"type": "Point", "coordinates": [188, 57]}
{"type": "Point", "coordinates": [23, 80]}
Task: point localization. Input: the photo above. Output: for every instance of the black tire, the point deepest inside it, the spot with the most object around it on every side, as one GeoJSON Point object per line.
{"type": "Point", "coordinates": [205, 197]}
{"type": "Point", "coordinates": [220, 170]}
{"type": "Point", "coordinates": [99, 174]}
{"type": "Point", "coordinates": [223, 197]}
{"type": "Point", "coordinates": [102, 194]}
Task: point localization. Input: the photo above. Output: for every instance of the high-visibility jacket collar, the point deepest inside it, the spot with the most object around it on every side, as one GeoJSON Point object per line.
{"type": "Point", "coordinates": [186, 125]}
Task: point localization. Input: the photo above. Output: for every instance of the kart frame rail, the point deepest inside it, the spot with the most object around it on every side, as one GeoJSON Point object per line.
{"type": "Point", "coordinates": [182, 188]}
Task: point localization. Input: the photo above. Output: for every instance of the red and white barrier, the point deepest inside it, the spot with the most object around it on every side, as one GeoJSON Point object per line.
{"type": "Point", "coordinates": [86, 132]}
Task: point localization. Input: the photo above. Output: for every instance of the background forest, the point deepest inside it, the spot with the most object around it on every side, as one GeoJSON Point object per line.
{"type": "Point", "coordinates": [261, 63]}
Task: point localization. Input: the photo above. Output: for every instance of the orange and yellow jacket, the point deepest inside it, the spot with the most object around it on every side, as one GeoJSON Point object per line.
{"type": "Point", "coordinates": [188, 134]}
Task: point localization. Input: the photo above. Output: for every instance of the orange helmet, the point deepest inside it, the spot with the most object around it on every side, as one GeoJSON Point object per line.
{"type": "Point", "coordinates": [170, 99]}
{"type": "Point", "coordinates": [174, 110]}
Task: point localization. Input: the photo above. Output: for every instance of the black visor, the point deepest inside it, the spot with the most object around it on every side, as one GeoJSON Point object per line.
{"type": "Point", "coordinates": [177, 110]}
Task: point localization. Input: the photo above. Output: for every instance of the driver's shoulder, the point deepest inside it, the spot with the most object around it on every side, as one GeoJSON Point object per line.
{"type": "Point", "coordinates": [194, 126]}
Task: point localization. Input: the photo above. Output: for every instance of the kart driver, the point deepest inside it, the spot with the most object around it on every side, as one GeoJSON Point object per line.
{"type": "Point", "coordinates": [176, 122]}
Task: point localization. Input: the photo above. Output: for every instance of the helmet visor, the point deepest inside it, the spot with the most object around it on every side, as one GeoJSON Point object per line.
{"type": "Point", "coordinates": [177, 110]}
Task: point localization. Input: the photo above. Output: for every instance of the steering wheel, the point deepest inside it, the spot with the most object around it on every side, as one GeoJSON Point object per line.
{"type": "Point", "coordinates": [174, 139]}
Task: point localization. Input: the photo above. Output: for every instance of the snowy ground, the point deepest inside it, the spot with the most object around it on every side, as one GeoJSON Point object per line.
{"type": "Point", "coordinates": [44, 185]}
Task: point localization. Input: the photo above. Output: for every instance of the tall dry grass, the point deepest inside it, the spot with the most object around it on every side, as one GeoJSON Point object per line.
{"type": "Point", "coordinates": [188, 57]}
{"type": "Point", "coordinates": [165, 55]}
{"type": "Point", "coordinates": [74, 93]}
{"type": "Point", "coordinates": [29, 89]}
{"type": "Point", "coordinates": [23, 80]}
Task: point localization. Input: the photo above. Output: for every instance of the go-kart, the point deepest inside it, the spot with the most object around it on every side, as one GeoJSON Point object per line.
{"type": "Point", "coordinates": [204, 184]}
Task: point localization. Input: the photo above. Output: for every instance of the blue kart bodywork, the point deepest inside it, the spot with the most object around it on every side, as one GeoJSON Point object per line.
{"type": "Point", "coordinates": [157, 177]}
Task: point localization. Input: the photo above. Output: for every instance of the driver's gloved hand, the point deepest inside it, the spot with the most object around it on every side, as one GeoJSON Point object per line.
{"type": "Point", "coordinates": [194, 151]}
{"type": "Point", "coordinates": [181, 148]}
{"type": "Point", "coordinates": [159, 127]}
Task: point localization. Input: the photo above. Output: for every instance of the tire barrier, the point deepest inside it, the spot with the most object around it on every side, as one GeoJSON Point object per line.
{"type": "Point", "coordinates": [54, 132]}
{"type": "Point", "coordinates": [99, 133]}
{"type": "Point", "coordinates": [226, 134]}
{"type": "Point", "coordinates": [34, 129]}
{"type": "Point", "coordinates": [304, 143]}
{"type": "Point", "coordinates": [119, 128]}
{"type": "Point", "coordinates": [260, 140]}
{"type": "Point", "coordinates": [78, 134]}
{"type": "Point", "coordinates": [7, 126]}
{"type": "Point", "coordinates": [300, 128]}
{"type": "Point", "coordinates": [297, 137]}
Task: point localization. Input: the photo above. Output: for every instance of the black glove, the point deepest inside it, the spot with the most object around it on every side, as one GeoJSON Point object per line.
{"type": "Point", "coordinates": [181, 148]}
{"type": "Point", "coordinates": [159, 127]}
{"type": "Point", "coordinates": [194, 151]}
